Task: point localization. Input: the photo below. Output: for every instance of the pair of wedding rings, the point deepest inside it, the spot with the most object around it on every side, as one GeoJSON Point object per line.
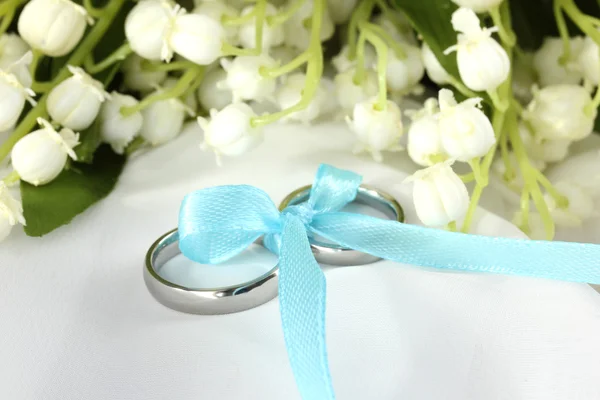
{"type": "Point", "coordinates": [258, 291]}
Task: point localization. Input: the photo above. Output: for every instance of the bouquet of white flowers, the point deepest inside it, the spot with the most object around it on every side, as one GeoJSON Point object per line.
{"type": "Point", "coordinates": [84, 84]}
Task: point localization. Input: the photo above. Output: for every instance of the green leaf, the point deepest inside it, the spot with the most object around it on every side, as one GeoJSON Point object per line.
{"type": "Point", "coordinates": [89, 141]}
{"type": "Point", "coordinates": [50, 206]}
{"type": "Point", "coordinates": [431, 18]}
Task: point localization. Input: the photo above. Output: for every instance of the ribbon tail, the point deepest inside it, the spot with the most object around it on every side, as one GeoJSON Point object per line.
{"type": "Point", "coordinates": [302, 291]}
{"type": "Point", "coordinates": [416, 245]}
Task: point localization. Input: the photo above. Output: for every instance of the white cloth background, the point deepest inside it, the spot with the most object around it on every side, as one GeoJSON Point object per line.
{"type": "Point", "coordinates": [78, 323]}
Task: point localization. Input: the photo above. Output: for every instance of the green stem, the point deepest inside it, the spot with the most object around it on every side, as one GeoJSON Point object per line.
{"type": "Point", "coordinates": [118, 55]}
{"type": "Point", "coordinates": [391, 42]}
{"type": "Point", "coordinates": [85, 47]}
{"type": "Point", "coordinates": [360, 73]}
{"type": "Point", "coordinates": [466, 178]}
{"type": "Point", "coordinates": [525, 211]}
{"type": "Point", "coordinates": [259, 13]}
{"type": "Point", "coordinates": [452, 226]}
{"type": "Point", "coordinates": [476, 167]}
{"type": "Point", "coordinates": [176, 91]}
{"type": "Point", "coordinates": [561, 201]}
{"type": "Point", "coordinates": [382, 61]}
{"type": "Point", "coordinates": [228, 20]}
{"type": "Point", "coordinates": [507, 36]}
{"type": "Point", "coordinates": [563, 31]}
{"type": "Point", "coordinates": [10, 6]}
{"type": "Point", "coordinates": [11, 178]}
{"type": "Point", "coordinates": [148, 66]}
{"type": "Point", "coordinates": [6, 20]}
{"type": "Point", "coordinates": [282, 17]}
{"type": "Point", "coordinates": [93, 11]}
{"type": "Point", "coordinates": [458, 85]}
{"type": "Point", "coordinates": [42, 87]}
{"type": "Point", "coordinates": [135, 144]}
{"type": "Point", "coordinates": [37, 57]}
{"type": "Point", "coordinates": [287, 68]}
{"type": "Point", "coordinates": [360, 13]}
{"type": "Point", "coordinates": [475, 197]}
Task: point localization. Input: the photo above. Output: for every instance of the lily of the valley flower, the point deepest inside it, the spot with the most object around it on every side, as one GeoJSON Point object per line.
{"type": "Point", "coordinates": [342, 63]}
{"type": "Point", "coordinates": [115, 129]}
{"type": "Point", "coordinates": [547, 62]}
{"type": "Point", "coordinates": [272, 35]}
{"type": "Point", "coordinates": [439, 195]}
{"type": "Point", "coordinates": [559, 112]}
{"type": "Point", "coordinates": [210, 95]}
{"type": "Point", "coordinates": [340, 10]}
{"type": "Point", "coordinates": [589, 60]}
{"type": "Point", "coordinates": [12, 49]}
{"type": "Point", "coordinates": [296, 31]}
{"type": "Point", "coordinates": [580, 206]}
{"type": "Point", "coordinates": [424, 139]}
{"type": "Point", "coordinates": [244, 78]}
{"type": "Point", "coordinates": [76, 101]}
{"type": "Point", "coordinates": [229, 132]}
{"type": "Point", "coordinates": [147, 27]}
{"type": "Point", "coordinates": [11, 212]}
{"type": "Point", "coordinates": [15, 83]}
{"type": "Point", "coordinates": [290, 94]}
{"type": "Point", "coordinates": [376, 129]}
{"type": "Point", "coordinates": [138, 79]}
{"type": "Point", "coordinates": [40, 156]}
{"type": "Point", "coordinates": [581, 169]}
{"type": "Point", "coordinates": [349, 93]}
{"type": "Point", "coordinates": [466, 132]}
{"type": "Point", "coordinates": [403, 74]}
{"type": "Point", "coordinates": [217, 10]}
{"type": "Point", "coordinates": [197, 37]}
{"type": "Point", "coordinates": [163, 120]}
{"type": "Point", "coordinates": [482, 63]}
{"type": "Point", "coordinates": [434, 69]}
{"type": "Point", "coordinates": [53, 27]}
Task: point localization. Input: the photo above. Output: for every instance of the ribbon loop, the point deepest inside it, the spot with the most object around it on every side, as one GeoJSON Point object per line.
{"type": "Point", "coordinates": [332, 189]}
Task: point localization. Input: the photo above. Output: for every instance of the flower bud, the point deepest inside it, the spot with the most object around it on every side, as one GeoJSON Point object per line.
{"type": "Point", "coordinates": [190, 101]}
{"type": "Point", "coordinates": [342, 63]}
{"type": "Point", "coordinates": [197, 37]}
{"type": "Point", "coordinates": [229, 132]}
{"type": "Point", "coordinates": [297, 32]}
{"type": "Point", "coordinates": [11, 212]}
{"type": "Point", "coordinates": [54, 27]}
{"type": "Point", "coordinates": [581, 169]}
{"type": "Point", "coordinates": [14, 91]}
{"type": "Point", "coordinates": [350, 93]}
{"type": "Point", "coordinates": [465, 130]}
{"type": "Point", "coordinates": [40, 156]}
{"type": "Point", "coordinates": [162, 121]}
{"type": "Point", "coordinates": [482, 63]}
{"type": "Point", "coordinates": [424, 139]}
{"type": "Point", "coordinates": [136, 78]}
{"type": "Point", "coordinates": [550, 70]}
{"type": "Point", "coordinates": [217, 10]}
{"type": "Point", "coordinates": [478, 6]}
{"type": "Point", "coordinates": [557, 112]}
{"type": "Point", "coordinates": [340, 10]}
{"type": "Point", "coordinates": [272, 35]}
{"type": "Point", "coordinates": [147, 27]}
{"type": "Point", "coordinates": [12, 48]}
{"type": "Point", "coordinates": [376, 130]}
{"type": "Point", "coordinates": [210, 95]}
{"type": "Point", "coordinates": [439, 195]}
{"type": "Point", "coordinates": [589, 61]}
{"type": "Point", "coordinates": [434, 69]}
{"type": "Point", "coordinates": [404, 74]}
{"type": "Point", "coordinates": [115, 129]}
{"type": "Point", "coordinates": [75, 102]}
{"type": "Point", "coordinates": [244, 78]}
{"type": "Point", "coordinates": [580, 207]}
{"type": "Point", "coordinates": [290, 93]}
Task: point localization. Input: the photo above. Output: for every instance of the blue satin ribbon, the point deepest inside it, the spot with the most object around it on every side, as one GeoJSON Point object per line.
{"type": "Point", "coordinates": [218, 223]}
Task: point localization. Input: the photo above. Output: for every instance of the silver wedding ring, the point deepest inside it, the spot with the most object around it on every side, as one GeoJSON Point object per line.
{"type": "Point", "coordinates": [333, 254]}
{"type": "Point", "coordinates": [250, 294]}
{"type": "Point", "coordinates": [223, 300]}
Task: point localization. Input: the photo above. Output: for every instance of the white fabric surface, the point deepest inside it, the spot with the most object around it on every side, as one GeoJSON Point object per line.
{"type": "Point", "coordinates": [78, 323]}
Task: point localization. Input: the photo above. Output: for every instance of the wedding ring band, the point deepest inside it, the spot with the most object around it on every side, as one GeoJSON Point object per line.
{"type": "Point", "coordinates": [222, 300]}
{"type": "Point", "coordinates": [333, 254]}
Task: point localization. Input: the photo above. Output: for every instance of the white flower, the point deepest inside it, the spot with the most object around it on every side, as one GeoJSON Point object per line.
{"type": "Point", "coordinates": [272, 36]}
{"type": "Point", "coordinates": [162, 121]}
{"type": "Point", "coordinates": [340, 10]}
{"type": "Point", "coordinates": [548, 67]}
{"type": "Point", "coordinates": [244, 78]}
{"type": "Point", "coordinates": [115, 129]}
{"type": "Point", "coordinates": [536, 230]}
{"type": "Point", "coordinates": [53, 26]}
{"type": "Point", "coordinates": [217, 10]}
{"type": "Point", "coordinates": [11, 212]}
{"type": "Point", "coordinates": [12, 48]}
{"type": "Point", "coordinates": [424, 139]}
{"type": "Point", "coordinates": [290, 93]}
{"type": "Point", "coordinates": [580, 207]}
{"type": "Point", "coordinates": [399, 28]}
{"type": "Point", "coordinates": [404, 74]}
{"type": "Point", "coordinates": [465, 130]}
{"type": "Point", "coordinates": [478, 6]}
{"type": "Point", "coordinates": [197, 37]}
{"type": "Point", "coordinates": [350, 93]}
{"type": "Point", "coordinates": [376, 130]}
{"type": "Point", "coordinates": [482, 63]}
{"type": "Point", "coordinates": [210, 95]}
{"type": "Point", "coordinates": [189, 100]}
{"type": "Point", "coordinates": [15, 84]}
{"type": "Point", "coordinates": [76, 101]}
{"type": "Point", "coordinates": [342, 63]}
{"type": "Point", "coordinates": [439, 195]}
{"type": "Point", "coordinates": [581, 169]}
{"type": "Point", "coordinates": [551, 150]}
{"type": "Point", "coordinates": [136, 78]}
{"type": "Point", "coordinates": [147, 28]}
{"type": "Point", "coordinates": [557, 112]}
{"type": "Point", "coordinates": [589, 61]}
{"type": "Point", "coordinates": [297, 33]}
{"type": "Point", "coordinates": [40, 156]}
{"type": "Point", "coordinates": [434, 69]}
{"type": "Point", "coordinates": [229, 132]}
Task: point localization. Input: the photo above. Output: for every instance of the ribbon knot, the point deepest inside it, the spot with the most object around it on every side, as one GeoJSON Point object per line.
{"type": "Point", "coordinates": [215, 224]}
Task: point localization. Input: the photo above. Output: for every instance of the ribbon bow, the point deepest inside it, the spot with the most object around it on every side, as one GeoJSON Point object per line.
{"type": "Point", "coordinates": [215, 224]}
